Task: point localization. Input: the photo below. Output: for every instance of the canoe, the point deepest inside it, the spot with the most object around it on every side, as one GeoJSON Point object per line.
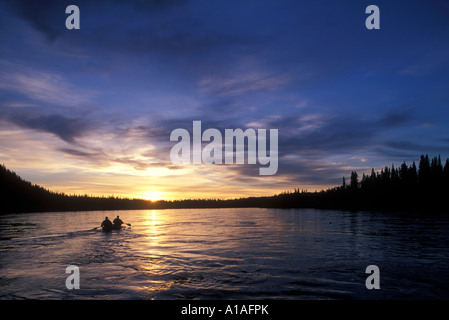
{"type": "Point", "coordinates": [109, 229]}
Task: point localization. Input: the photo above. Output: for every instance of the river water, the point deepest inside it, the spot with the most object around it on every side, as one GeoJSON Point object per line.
{"type": "Point", "coordinates": [225, 254]}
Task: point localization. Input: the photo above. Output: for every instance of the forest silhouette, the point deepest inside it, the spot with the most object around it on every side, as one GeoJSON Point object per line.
{"type": "Point", "coordinates": [407, 188]}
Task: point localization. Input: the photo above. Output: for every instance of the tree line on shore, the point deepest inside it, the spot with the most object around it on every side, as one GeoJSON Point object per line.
{"type": "Point", "coordinates": [421, 188]}
{"type": "Point", "coordinates": [405, 188]}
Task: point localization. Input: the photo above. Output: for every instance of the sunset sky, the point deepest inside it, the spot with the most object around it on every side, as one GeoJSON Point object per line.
{"type": "Point", "coordinates": [90, 111]}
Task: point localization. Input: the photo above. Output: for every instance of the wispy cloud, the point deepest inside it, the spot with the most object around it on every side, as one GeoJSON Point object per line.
{"type": "Point", "coordinates": [43, 86]}
{"type": "Point", "coordinates": [428, 63]}
{"type": "Point", "coordinates": [243, 82]}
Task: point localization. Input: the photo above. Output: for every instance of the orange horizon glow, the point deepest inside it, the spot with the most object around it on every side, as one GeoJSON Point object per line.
{"type": "Point", "coordinates": [73, 175]}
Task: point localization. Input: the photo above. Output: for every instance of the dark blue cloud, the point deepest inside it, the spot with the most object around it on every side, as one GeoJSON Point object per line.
{"type": "Point", "coordinates": [67, 128]}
